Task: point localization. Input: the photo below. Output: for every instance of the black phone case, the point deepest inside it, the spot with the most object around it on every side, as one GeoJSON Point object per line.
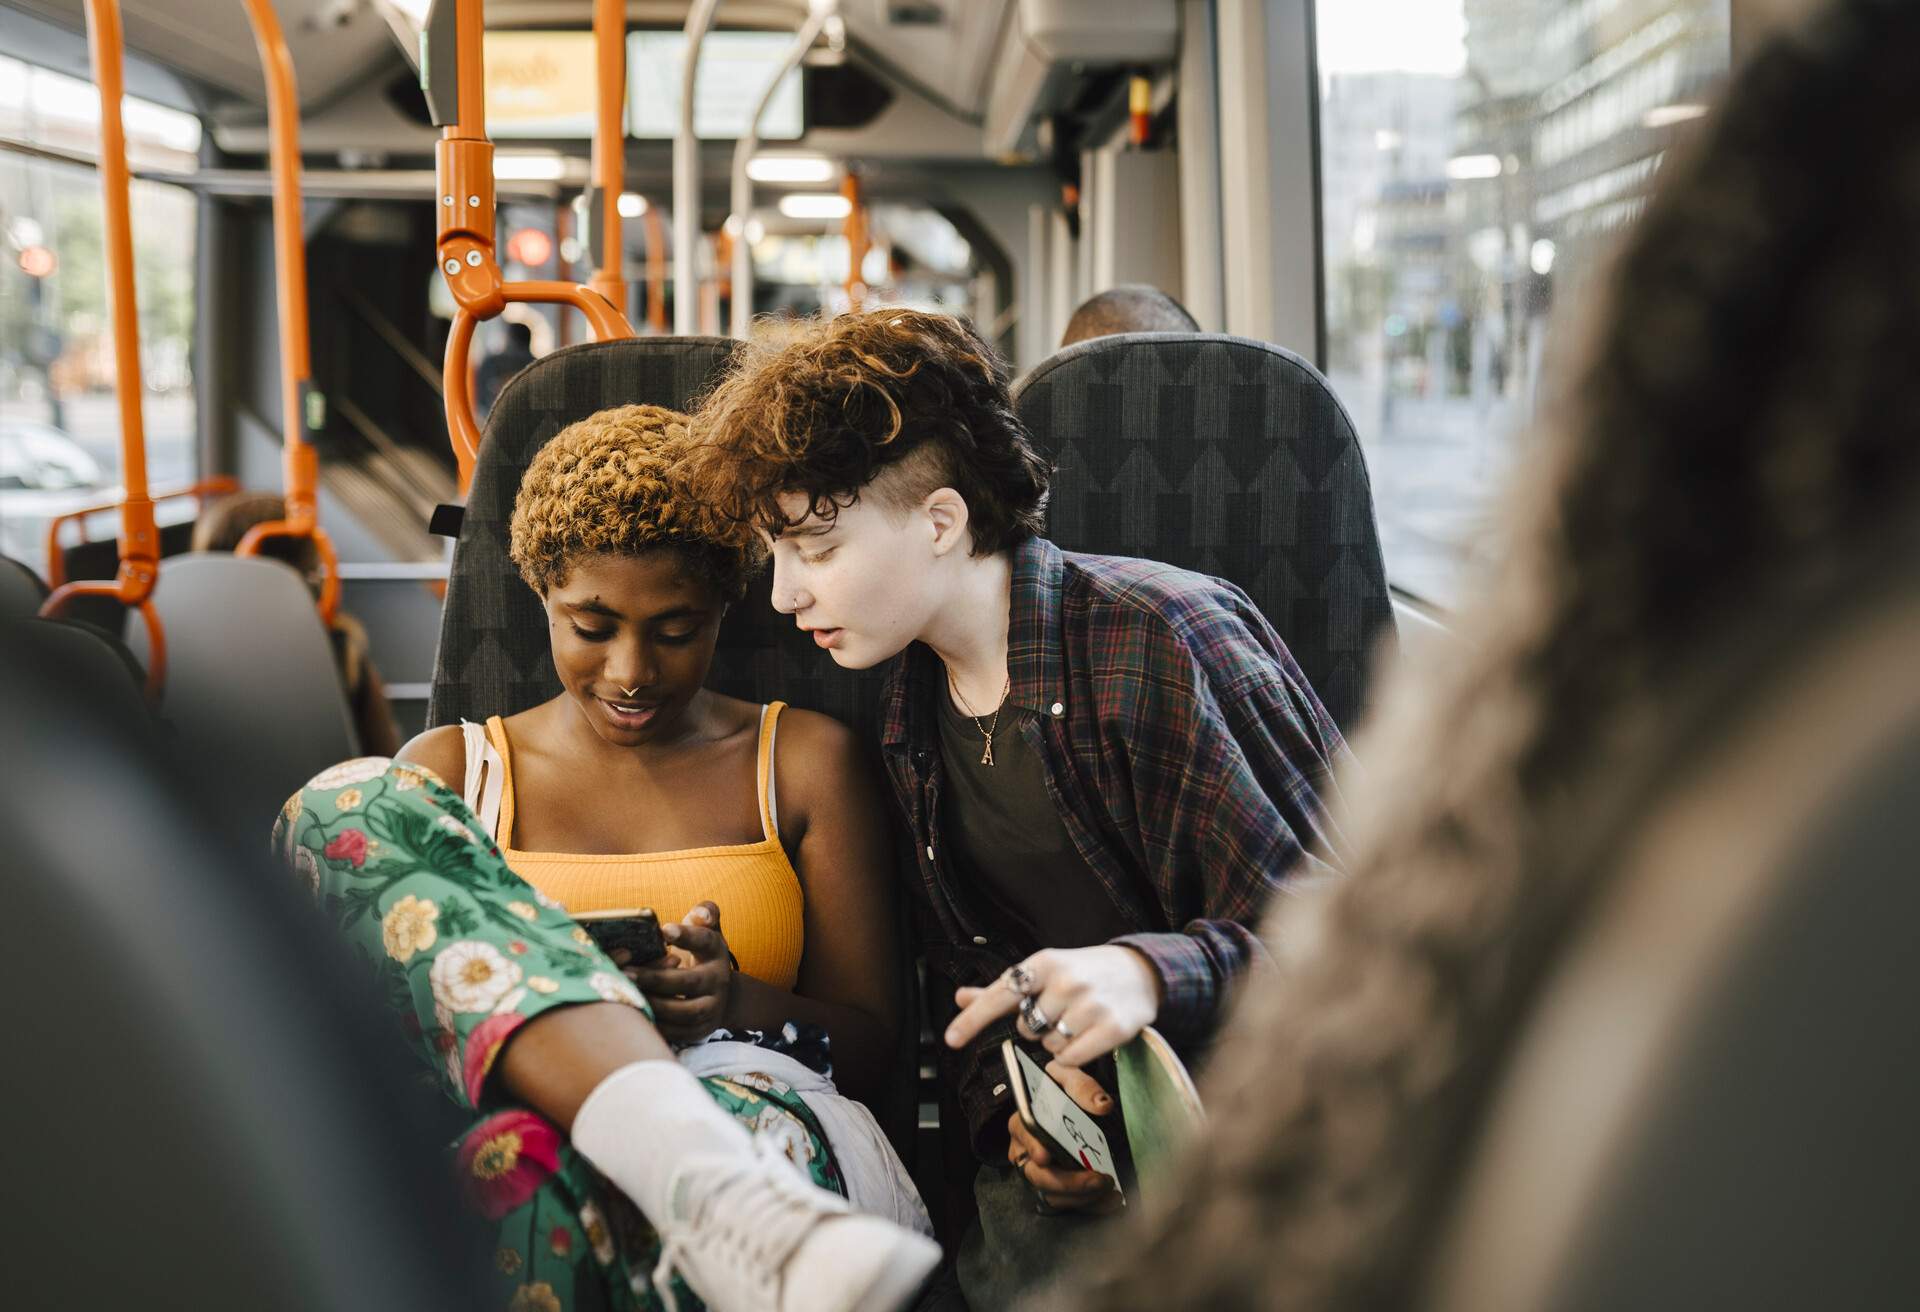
{"type": "Point", "coordinates": [639, 935]}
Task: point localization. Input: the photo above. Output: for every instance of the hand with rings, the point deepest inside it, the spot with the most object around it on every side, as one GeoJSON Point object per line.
{"type": "Point", "coordinates": [1077, 1003]}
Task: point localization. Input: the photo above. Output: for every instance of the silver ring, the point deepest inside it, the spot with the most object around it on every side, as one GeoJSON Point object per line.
{"type": "Point", "coordinates": [1060, 1028]}
{"type": "Point", "coordinates": [1020, 980]}
{"type": "Point", "coordinates": [1036, 1019]}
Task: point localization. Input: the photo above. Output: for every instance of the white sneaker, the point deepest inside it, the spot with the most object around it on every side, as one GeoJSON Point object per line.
{"type": "Point", "coordinates": [752, 1235]}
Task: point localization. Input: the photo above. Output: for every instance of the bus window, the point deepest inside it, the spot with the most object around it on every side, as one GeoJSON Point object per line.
{"type": "Point", "coordinates": [59, 421]}
{"type": "Point", "coordinates": [1477, 157]}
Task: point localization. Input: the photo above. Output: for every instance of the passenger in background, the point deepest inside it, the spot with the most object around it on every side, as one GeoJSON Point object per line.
{"type": "Point", "coordinates": [1742, 435]}
{"type": "Point", "coordinates": [1109, 765]}
{"type": "Point", "coordinates": [223, 524]}
{"type": "Point", "coordinates": [1134, 308]}
{"type": "Point", "coordinates": [457, 869]}
{"type": "Point", "coordinates": [503, 364]}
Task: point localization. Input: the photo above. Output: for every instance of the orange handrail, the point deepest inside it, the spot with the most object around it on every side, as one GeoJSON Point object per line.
{"type": "Point", "coordinates": [609, 145]}
{"type": "Point", "coordinates": [300, 459]}
{"type": "Point", "coordinates": [132, 585]}
{"type": "Point", "coordinates": [856, 233]}
{"type": "Point", "coordinates": [217, 486]}
{"type": "Point", "coordinates": [607, 323]}
{"type": "Point", "coordinates": [463, 168]}
{"type": "Point", "coordinates": [656, 270]}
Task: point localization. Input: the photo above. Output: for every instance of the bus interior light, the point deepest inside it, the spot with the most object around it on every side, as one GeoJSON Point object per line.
{"type": "Point", "coordinates": [790, 168]}
{"type": "Point", "coordinates": [815, 205]}
{"type": "Point", "coordinates": [632, 204]}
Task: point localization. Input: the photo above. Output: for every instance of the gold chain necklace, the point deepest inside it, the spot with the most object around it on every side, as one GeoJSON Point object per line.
{"type": "Point", "coordinates": [986, 730]}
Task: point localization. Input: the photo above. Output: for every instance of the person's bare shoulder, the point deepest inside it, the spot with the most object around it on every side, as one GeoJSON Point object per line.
{"type": "Point", "coordinates": [817, 760]}
{"type": "Point", "coordinates": [811, 741]}
{"type": "Point", "coordinates": [443, 751]}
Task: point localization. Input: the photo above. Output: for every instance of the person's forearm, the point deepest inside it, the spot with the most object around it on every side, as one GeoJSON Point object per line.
{"type": "Point", "coordinates": [863, 1044]}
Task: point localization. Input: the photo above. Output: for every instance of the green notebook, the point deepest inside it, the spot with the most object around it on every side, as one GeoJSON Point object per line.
{"type": "Point", "coordinates": [1158, 1105]}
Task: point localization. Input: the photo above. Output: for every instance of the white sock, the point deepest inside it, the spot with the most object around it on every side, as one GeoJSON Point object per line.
{"type": "Point", "coordinates": [643, 1121]}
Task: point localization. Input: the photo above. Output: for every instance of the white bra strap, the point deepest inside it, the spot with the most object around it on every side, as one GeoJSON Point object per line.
{"type": "Point", "coordinates": [485, 777]}
{"type": "Point", "coordinates": [773, 788]}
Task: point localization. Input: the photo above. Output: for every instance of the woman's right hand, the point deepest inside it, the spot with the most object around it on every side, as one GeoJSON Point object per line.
{"type": "Point", "coordinates": [690, 988]}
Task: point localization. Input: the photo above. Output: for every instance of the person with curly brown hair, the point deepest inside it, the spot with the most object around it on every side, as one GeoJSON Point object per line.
{"type": "Point", "coordinates": [1109, 765]}
{"type": "Point", "coordinates": [705, 1097]}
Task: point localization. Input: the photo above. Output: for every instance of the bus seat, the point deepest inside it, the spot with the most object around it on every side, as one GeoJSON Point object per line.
{"type": "Point", "coordinates": [1709, 1100]}
{"type": "Point", "coordinates": [201, 1112]}
{"type": "Point", "coordinates": [21, 590]}
{"type": "Point", "coordinates": [493, 657]}
{"type": "Point", "coordinates": [1231, 457]}
{"type": "Point", "coordinates": [245, 645]}
{"type": "Point", "coordinates": [97, 663]}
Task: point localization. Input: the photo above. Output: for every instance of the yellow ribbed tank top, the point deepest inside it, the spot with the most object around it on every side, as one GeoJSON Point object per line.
{"type": "Point", "coordinates": [754, 884]}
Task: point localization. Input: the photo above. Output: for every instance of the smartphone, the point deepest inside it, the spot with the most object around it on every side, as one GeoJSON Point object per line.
{"type": "Point", "coordinates": [1054, 1118]}
{"type": "Point", "coordinates": [637, 931]}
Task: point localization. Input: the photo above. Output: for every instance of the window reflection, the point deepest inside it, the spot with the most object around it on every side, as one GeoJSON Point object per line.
{"type": "Point", "coordinates": [1477, 156]}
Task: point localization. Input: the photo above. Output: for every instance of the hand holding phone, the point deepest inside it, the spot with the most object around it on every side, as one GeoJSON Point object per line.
{"type": "Point", "coordinates": [1060, 1149]}
{"type": "Point", "coordinates": [631, 938]}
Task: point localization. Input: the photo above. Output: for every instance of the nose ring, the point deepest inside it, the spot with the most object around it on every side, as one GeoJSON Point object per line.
{"type": "Point", "coordinates": [628, 692]}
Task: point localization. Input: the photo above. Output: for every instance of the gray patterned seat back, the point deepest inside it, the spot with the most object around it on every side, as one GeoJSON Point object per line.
{"type": "Point", "coordinates": [493, 657]}
{"type": "Point", "coordinates": [1231, 457]}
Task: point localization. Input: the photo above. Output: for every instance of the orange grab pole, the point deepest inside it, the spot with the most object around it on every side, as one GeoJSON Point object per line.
{"type": "Point", "coordinates": [300, 460]}
{"type": "Point", "coordinates": [132, 585]}
{"type": "Point", "coordinates": [607, 323]}
{"type": "Point", "coordinates": [656, 270]}
{"type": "Point", "coordinates": [856, 233]}
{"type": "Point", "coordinates": [609, 145]}
{"type": "Point", "coordinates": [217, 486]}
{"type": "Point", "coordinates": [463, 168]}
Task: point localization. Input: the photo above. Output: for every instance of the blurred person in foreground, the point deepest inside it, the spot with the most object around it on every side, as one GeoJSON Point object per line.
{"type": "Point", "coordinates": [1743, 432]}
{"type": "Point", "coordinates": [223, 524]}
{"type": "Point", "coordinates": [1133, 308]}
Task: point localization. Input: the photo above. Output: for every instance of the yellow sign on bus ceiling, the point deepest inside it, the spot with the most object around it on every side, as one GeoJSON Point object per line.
{"type": "Point", "coordinates": [540, 84]}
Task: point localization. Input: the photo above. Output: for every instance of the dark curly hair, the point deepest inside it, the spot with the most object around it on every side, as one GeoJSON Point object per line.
{"type": "Point", "coordinates": [843, 402]}
{"type": "Point", "coordinates": [611, 483]}
{"type": "Point", "coordinates": [1743, 434]}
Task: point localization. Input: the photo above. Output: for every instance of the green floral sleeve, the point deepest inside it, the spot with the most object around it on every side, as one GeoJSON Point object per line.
{"type": "Point", "coordinates": [468, 950]}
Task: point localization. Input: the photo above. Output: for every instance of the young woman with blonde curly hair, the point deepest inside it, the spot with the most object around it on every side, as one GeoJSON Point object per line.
{"type": "Point", "coordinates": [458, 869]}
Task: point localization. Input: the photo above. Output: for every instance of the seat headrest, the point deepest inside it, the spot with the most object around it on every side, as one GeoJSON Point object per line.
{"type": "Point", "coordinates": [493, 657]}
{"type": "Point", "coordinates": [21, 590]}
{"type": "Point", "coordinates": [1231, 457]}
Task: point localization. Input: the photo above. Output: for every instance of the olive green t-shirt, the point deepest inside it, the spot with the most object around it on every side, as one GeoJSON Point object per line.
{"type": "Point", "coordinates": [1009, 838]}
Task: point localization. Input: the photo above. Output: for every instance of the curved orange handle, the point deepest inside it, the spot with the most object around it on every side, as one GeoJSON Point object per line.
{"type": "Point", "coordinates": [463, 430]}
{"type": "Point", "coordinates": [129, 590]}
{"type": "Point", "coordinates": [217, 486]}
{"type": "Point", "coordinates": [322, 545]}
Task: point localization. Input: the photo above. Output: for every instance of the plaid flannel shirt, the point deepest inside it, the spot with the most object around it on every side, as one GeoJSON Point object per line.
{"type": "Point", "coordinates": [1189, 758]}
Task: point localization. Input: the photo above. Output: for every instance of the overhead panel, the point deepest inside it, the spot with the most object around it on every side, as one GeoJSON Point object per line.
{"type": "Point", "coordinates": [945, 46]}
{"type": "Point", "coordinates": [1050, 44]}
{"type": "Point", "coordinates": [334, 42]}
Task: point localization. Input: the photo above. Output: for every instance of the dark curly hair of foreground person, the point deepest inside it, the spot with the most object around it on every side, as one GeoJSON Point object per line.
{"type": "Point", "coordinates": [1742, 430]}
